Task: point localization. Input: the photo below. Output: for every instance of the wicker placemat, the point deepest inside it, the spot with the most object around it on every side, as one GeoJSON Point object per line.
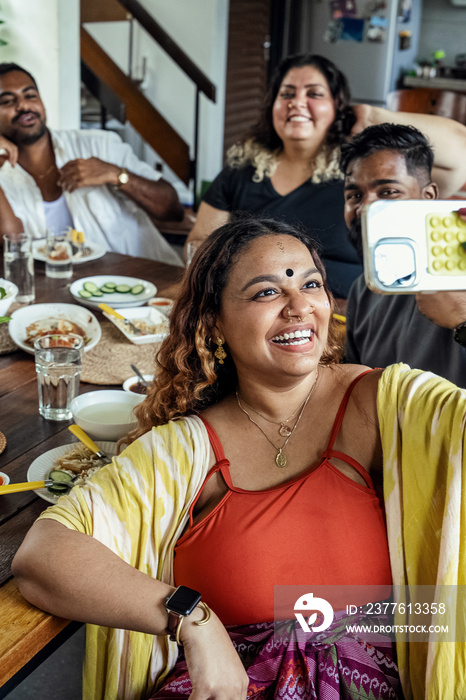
{"type": "Point", "coordinates": [2, 442]}
{"type": "Point", "coordinates": [109, 362]}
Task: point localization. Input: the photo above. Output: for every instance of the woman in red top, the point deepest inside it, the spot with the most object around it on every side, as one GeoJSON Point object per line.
{"type": "Point", "coordinates": [290, 497]}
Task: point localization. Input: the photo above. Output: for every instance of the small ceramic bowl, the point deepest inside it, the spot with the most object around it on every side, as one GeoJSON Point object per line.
{"type": "Point", "coordinates": [163, 304]}
{"type": "Point", "coordinates": [132, 382]}
{"type": "Point", "coordinates": [11, 292]}
{"type": "Point", "coordinates": [106, 414]}
{"type": "Point", "coordinates": [4, 479]}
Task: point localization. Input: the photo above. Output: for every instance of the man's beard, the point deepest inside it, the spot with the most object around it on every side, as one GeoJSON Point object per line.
{"type": "Point", "coordinates": [355, 237]}
{"type": "Point", "coordinates": [25, 138]}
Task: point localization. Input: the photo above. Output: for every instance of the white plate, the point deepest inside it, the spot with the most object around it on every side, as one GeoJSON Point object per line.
{"type": "Point", "coordinates": [116, 300]}
{"type": "Point", "coordinates": [23, 317]}
{"type": "Point", "coordinates": [149, 314]}
{"type": "Point", "coordinates": [41, 466]}
{"type": "Point", "coordinates": [97, 251]}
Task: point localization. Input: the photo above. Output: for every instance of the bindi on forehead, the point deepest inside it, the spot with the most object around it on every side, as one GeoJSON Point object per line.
{"type": "Point", "coordinates": [289, 272]}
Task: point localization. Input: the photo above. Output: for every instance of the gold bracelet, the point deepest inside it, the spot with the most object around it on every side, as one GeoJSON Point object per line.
{"type": "Point", "coordinates": [204, 621]}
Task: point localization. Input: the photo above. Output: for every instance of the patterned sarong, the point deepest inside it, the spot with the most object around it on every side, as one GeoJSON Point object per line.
{"type": "Point", "coordinates": [285, 663]}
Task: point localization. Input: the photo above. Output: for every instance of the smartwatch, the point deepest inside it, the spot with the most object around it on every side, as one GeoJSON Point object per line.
{"type": "Point", "coordinates": [123, 178]}
{"type": "Point", "coordinates": [459, 334]}
{"type": "Point", "coordinates": [179, 605]}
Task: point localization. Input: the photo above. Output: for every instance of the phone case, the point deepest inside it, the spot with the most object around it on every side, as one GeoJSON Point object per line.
{"type": "Point", "coordinates": [414, 246]}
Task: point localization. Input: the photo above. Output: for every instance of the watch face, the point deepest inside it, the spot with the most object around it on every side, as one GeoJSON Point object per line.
{"type": "Point", "coordinates": [183, 600]}
{"type": "Point", "coordinates": [123, 178]}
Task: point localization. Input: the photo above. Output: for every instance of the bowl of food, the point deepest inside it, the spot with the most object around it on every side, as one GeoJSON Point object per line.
{"type": "Point", "coordinates": [135, 386]}
{"type": "Point", "coordinates": [163, 304]}
{"type": "Point", "coordinates": [31, 322]}
{"type": "Point", "coordinates": [107, 414]}
{"type": "Point", "coordinates": [152, 324]}
{"type": "Point", "coordinates": [4, 479]}
{"type": "Point", "coordinates": [8, 292]}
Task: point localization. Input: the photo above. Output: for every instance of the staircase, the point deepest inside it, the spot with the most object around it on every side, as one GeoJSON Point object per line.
{"type": "Point", "coordinates": [121, 97]}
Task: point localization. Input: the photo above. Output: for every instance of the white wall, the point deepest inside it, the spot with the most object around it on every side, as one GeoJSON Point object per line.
{"type": "Point", "coordinates": [43, 37]}
{"type": "Point", "coordinates": [443, 27]}
{"type": "Point", "coordinates": [200, 27]}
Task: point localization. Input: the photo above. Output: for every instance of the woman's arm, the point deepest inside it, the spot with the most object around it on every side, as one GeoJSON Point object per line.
{"type": "Point", "coordinates": [446, 136]}
{"type": "Point", "coordinates": [207, 220]}
{"type": "Point", "coordinates": [74, 576]}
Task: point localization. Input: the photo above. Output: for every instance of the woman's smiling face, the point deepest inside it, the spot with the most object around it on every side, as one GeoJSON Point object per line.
{"type": "Point", "coordinates": [274, 278]}
{"type": "Point", "coordinates": [304, 107]}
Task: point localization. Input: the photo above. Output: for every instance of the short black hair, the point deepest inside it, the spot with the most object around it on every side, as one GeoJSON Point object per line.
{"type": "Point", "coordinates": [10, 67]}
{"type": "Point", "coordinates": [405, 140]}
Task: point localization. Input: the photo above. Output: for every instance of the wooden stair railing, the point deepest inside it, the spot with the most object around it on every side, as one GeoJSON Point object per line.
{"type": "Point", "coordinates": [141, 114]}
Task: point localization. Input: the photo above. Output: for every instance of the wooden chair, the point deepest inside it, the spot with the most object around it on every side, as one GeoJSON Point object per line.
{"type": "Point", "coordinates": [445, 103]}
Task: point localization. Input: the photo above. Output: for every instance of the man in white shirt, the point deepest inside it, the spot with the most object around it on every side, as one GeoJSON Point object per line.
{"type": "Point", "coordinates": [89, 180]}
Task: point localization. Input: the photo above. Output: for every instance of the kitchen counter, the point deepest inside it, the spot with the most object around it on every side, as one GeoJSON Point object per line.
{"type": "Point", "coordinates": [437, 83]}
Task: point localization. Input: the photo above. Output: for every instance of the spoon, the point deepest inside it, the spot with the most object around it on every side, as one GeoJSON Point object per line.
{"type": "Point", "coordinates": [144, 381]}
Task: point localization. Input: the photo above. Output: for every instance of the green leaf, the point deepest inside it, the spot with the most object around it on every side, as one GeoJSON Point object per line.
{"type": "Point", "coordinates": [2, 292]}
{"type": "Point", "coordinates": [5, 319]}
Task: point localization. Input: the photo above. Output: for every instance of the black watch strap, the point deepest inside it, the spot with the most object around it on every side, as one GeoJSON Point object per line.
{"type": "Point", "coordinates": [459, 334]}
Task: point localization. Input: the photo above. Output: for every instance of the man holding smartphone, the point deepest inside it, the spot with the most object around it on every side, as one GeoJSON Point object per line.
{"type": "Point", "coordinates": [427, 331]}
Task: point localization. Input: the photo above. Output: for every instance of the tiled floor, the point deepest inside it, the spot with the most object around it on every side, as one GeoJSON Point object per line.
{"type": "Point", "coordinates": [59, 677]}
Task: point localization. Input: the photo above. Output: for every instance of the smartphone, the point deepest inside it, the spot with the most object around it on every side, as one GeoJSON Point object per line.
{"type": "Point", "coordinates": [413, 246]}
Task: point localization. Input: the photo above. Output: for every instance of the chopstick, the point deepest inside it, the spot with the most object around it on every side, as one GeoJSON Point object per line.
{"type": "Point", "coordinates": [24, 486]}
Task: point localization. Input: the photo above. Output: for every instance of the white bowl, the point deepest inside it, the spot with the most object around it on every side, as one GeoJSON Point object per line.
{"type": "Point", "coordinates": [4, 479]}
{"type": "Point", "coordinates": [106, 414]}
{"type": "Point", "coordinates": [162, 304]}
{"type": "Point", "coordinates": [11, 292]}
{"type": "Point", "coordinates": [22, 318]}
{"type": "Point", "coordinates": [135, 380]}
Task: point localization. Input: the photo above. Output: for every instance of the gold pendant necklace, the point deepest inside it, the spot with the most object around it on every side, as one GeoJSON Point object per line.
{"type": "Point", "coordinates": [280, 458]}
{"type": "Point", "coordinates": [284, 429]}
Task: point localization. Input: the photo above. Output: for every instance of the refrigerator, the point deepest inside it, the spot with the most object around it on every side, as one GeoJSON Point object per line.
{"type": "Point", "coordinates": [372, 41]}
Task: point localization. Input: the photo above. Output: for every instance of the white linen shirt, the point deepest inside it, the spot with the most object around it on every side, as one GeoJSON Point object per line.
{"type": "Point", "coordinates": [106, 216]}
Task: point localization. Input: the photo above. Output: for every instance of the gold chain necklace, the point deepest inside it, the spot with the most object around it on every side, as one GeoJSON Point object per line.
{"type": "Point", "coordinates": [41, 177]}
{"type": "Point", "coordinates": [280, 458]}
{"type": "Point", "coordinates": [284, 430]}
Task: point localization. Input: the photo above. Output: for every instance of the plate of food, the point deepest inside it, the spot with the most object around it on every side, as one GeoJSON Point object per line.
{"type": "Point", "coordinates": [74, 459]}
{"type": "Point", "coordinates": [115, 290]}
{"type": "Point", "coordinates": [154, 326]}
{"type": "Point", "coordinates": [89, 251]}
{"type": "Point", "coordinates": [30, 322]}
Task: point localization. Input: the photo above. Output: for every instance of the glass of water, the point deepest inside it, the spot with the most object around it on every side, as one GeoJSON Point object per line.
{"type": "Point", "coordinates": [18, 264]}
{"type": "Point", "coordinates": [58, 366]}
{"type": "Point", "coordinates": [58, 256]}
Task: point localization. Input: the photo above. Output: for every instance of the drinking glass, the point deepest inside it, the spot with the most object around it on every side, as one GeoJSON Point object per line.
{"type": "Point", "coordinates": [18, 264]}
{"type": "Point", "coordinates": [58, 256]}
{"type": "Point", "coordinates": [191, 249]}
{"type": "Point", "coordinates": [58, 367]}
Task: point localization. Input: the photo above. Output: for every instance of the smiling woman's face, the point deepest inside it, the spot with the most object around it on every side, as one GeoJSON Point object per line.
{"type": "Point", "coordinates": [273, 278]}
{"type": "Point", "coordinates": [304, 107]}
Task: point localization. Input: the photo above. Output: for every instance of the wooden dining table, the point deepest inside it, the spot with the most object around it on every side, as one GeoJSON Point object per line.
{"type": "Point", "coordinates": [28, 635]}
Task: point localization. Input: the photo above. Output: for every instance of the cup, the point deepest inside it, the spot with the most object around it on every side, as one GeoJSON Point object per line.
{"type": "Point", "coordinates": [58, 367]}
{"type": "Point", "coordinates": [18, 264]}
{"type": "Point", "coordinates": [58, 256]}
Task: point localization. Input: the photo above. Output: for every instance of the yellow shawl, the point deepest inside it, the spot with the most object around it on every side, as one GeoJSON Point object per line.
{"type": "Point", "coordinates": [422, 427]}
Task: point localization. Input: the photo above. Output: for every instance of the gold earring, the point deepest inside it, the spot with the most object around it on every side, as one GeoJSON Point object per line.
{"type": "Point", "coordinates": [220, 353]}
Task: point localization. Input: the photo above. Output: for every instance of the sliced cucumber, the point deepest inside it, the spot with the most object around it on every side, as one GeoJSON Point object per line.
{"type": "Point", "coordinates": [98, 293]}
{"type": "Point", "coordinates": [137, 289]}
{"type": "Point", "coordinates": [110, 285]}
{"type": "Point", "coordinates": [85, 294]}
{"type": "Point", "coordinates": [122, 288]}
{"type": "Point", "coordinates": [90, 287]}
{"type": "Point", "coordinates": [59, 476]}
{"type": "Point", "coordinates": [107, 290]}
{"type": "Point", "coordinates": [58, 488]}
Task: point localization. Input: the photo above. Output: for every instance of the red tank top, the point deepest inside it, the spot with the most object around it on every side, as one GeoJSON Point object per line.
{"type": "Point", "coordinates": [320, 528]}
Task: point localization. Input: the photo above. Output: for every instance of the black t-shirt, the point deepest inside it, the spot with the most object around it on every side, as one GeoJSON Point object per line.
{"type": "Point", "coordinates": [316, 208]}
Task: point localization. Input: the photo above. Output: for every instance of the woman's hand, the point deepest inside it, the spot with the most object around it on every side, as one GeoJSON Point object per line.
{"type": "Point", "coordinates": [8, 152]}
{"type": "Point", "coordinates": [215, 669]}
